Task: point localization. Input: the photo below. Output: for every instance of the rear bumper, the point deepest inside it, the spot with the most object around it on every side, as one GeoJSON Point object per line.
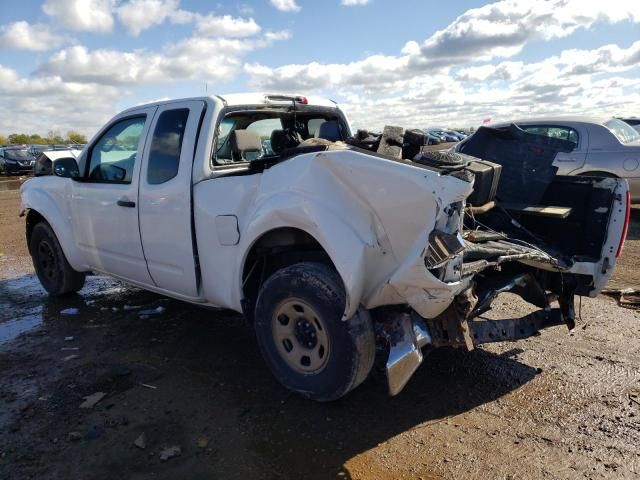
{"type": "Point", "coordinates": [408, 334]}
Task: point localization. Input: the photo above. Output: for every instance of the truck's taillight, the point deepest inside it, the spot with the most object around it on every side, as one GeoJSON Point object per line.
{"type": "Point", "coordinates": [625, 229]}
{"type": "Point", "coordinates": [302, 100]}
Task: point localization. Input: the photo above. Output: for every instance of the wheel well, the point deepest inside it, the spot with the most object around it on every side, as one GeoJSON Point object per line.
{"type": "Point", "coordinates": [274, 250]}
{"type": "Point", "coordinates": [33, 218]}
{"type": "Point", "coordinates": [597, 173]}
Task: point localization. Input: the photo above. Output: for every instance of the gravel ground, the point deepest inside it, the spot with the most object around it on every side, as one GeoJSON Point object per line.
{"type": "Point", "coordinates": [552, 406]}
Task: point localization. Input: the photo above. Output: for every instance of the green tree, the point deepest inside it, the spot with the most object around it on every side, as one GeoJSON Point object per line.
{"type": "Point", "coordinates": [54, 137]}
{"type": "Point", "coordinates": [19, 138]}
{"type": "Point", "coordinates": [75, 137]}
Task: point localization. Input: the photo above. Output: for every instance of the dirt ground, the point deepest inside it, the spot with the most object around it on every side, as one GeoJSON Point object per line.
{"type": "Point", "coordinates": [552, 406]}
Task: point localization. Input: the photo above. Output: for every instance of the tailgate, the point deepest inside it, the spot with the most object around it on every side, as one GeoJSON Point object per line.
{"type": "Point", "coordinates": [614, 240]}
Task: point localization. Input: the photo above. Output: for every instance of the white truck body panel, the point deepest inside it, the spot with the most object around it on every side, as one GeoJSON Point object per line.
{"type": "Point", "coordinates": [327, 195]}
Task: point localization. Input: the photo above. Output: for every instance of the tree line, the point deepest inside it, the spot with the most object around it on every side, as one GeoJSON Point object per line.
{"type": "Point", "coordinates": [52, 138]}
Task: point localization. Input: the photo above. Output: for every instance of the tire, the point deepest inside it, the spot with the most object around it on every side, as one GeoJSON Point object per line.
{"type": "Point", "coordinates": [53, 270]}
{"type": "Point", "coordinates": [317, 354]}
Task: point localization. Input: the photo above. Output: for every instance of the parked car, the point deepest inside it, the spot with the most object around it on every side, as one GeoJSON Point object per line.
{"type": "Point", "coordinates": [459, 135]}
{"type": "Point", "coordinates": [16, 160]}
{"type": "Point", "coordinates": [329, 245]}
{"type": "Point", "coordinates": [633, 121]}
{"type": "Point", "coordinates": [605, 147]}
{"type": "Point", "coordinates": [444, 135]}
{"type": "Point", "coordinates": [36, 150]}
{"type": "Point", "coordinates": [432, 139]}
{"type": "Point", "coordinates": [75, 146]}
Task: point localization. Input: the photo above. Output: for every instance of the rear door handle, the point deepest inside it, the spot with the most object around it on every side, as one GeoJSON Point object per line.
{"type": "Point", "coordinates": [126, 203]}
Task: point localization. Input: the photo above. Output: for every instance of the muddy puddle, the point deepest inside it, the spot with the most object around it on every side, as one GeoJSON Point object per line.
{"type": "Point", "coordinates": [6, 185]}
{"type": "Point", "coordinates": [554, 406]}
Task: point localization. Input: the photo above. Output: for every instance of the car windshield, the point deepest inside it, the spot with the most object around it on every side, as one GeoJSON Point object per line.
{"type": "Point", "coordinates": [624, 132]}
{"type": "Point", "coordinates": [18, 154]}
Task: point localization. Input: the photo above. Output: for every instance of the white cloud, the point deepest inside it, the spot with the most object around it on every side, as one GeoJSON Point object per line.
{"type": "Point", "coordinates": [43, 104]}
{"type": "Point", "coordinates": [226, 26]}
{"type": "Point", "coordinates": [286, 5]}
{"type": "Point", "coordinates": [352, 3]}
{"type": "Point", "coordinates": [139, 15]}
{"type": "Point", "coordinates": [491, 72]}
{"type": "Point", "coordinates": [501, 29]}
{"type": "Point", "coordinates": [82, 15]}
{"type": "Point", "coordinates": [195, 58]}
{"type": "Point", "coordinates": [23, 36]}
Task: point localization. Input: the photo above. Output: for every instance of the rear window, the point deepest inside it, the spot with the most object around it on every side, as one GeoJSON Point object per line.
{"type": "Point", "coordinates": [166, 145]}
{"type": "Point", "coordinates": [624, 132]}
{"type": "Point", "coordinates": [563, 133]}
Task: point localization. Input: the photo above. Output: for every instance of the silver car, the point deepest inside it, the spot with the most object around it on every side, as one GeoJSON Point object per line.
{"type": "Point", "coordinates": [604, 146]}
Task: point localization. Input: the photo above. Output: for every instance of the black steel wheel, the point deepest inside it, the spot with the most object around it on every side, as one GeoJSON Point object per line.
{"type": "Point", "coordinates": [53, 270]}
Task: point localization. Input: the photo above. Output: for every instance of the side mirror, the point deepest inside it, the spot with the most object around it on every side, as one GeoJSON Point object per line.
{"type": "Point", "coordinates": [66, 167]}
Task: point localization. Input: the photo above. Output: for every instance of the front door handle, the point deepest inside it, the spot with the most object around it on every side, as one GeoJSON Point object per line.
{"type": "Point", "coordinates": [126, 203]}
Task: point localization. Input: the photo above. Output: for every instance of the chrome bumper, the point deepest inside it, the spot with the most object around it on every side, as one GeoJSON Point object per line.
{"type": "Point", "coordinates": [407, 335]}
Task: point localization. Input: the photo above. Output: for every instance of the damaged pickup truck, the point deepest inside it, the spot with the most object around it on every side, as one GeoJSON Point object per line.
{"type": "Point", "coordinates": [337, 247]}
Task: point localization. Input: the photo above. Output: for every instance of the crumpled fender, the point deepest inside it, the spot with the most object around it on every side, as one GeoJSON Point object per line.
{"type": "Point", "coordinates": [46, 195]}
{"type": "Point", "coordinates": [371, 215]}
{"type": "Point", "coordinates": [352, 248]}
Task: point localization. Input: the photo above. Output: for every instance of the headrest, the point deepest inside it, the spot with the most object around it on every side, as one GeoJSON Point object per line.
{"type": "Point", "coordinates": [329, 131]}
{"type": "Point", "coordinates": [245, 141]}
{"type": "Point", "coordinates": [279, 141]}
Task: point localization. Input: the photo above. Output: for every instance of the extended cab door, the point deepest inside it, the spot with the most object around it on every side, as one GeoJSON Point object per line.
{"type": "Point", "coordinates": [165, 197]}
{"type": "Point", "coordinates": [104, 198]}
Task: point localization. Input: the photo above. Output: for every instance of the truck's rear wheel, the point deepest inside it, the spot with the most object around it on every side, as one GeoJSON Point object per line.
{"type": "Point", "coordinates": [302, 337]}
{"type": "Point", "coordinates": [53, 270]}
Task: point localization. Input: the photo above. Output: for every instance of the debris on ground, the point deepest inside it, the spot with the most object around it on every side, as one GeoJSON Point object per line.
{"type": "Point", "coordinates": [146, 385]}
{"type": "Point", "coordinates": [152, 311]}
{"type": "Point", "coordinates": [90, 401]}
{"type": "Point", "coordinates": [74, 436]}
{"type": "Point", "coordinates": [141, 441]}
{"type": "Point", "coordinates": [170, 452]}
{"type": "Point", "coordinates": [627, 297]}
{"type": "Point", "coordinates": [68, 339]}
{"type": "Point", "coordinates": [70, 311]}
{"type": "Point", "coordinates": [202, 442]}
{"type": "Point", "coordinates": [70, 357]}
{"type": "Point", "coordinates": [131, 307]}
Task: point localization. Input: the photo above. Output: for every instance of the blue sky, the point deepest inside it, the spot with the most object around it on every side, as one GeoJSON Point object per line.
{"type": "Point", "coordinates": [74, 63]}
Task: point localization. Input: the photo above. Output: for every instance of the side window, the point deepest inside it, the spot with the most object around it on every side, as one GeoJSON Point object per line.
{"type": "Point", "coordinates": [166, 145]}
{"type": "Point", "coordinates": [113, 156]}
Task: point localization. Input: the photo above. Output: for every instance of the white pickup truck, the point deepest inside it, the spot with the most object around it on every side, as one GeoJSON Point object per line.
{"type": "Point", "coordinates": [335, 246]}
